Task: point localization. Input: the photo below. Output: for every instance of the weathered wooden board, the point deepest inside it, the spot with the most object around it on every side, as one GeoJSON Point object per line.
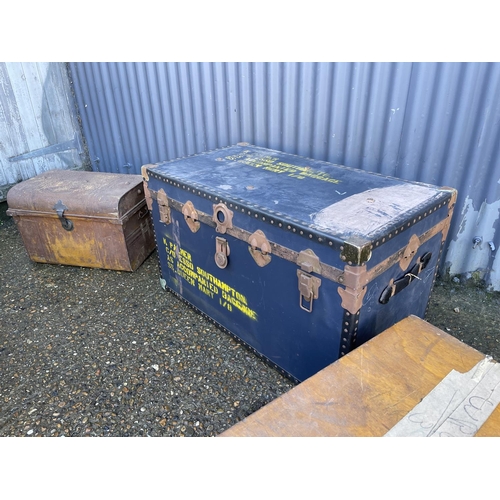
{"type": "Point", "coordinates": [371, 389]}
{"type": "Point", "coordinates": [39, 129]}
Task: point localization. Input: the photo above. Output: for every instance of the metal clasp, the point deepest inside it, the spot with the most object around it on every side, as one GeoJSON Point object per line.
{"type": "Point", "coordinates": [309, 261]}
{"type": "Point", "coordinates": [191, 216]}
{"type": "Point", "coordinates": [221, 252]}
{"type": "Point", "coordinates": [59, 207]}
{"type": "Point", "coordinates": [308, 288]}
{"type": "Point", "coordinates": [259, 248]}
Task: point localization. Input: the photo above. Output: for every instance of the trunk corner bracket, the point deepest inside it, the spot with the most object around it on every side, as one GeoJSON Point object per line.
{"type": "Point", "coordinates": [356, 279]}
{"type": "Point", "coordinates": [356, 253]}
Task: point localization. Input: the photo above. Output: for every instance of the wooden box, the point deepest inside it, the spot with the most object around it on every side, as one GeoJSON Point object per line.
{"type": "Point", "coordinates": [367, 392]}
{"type": "Point", "coordinates": [81, 218]}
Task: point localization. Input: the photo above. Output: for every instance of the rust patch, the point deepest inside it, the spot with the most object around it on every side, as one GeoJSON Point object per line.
{"type": "Point", "coordinates": [409, 252]}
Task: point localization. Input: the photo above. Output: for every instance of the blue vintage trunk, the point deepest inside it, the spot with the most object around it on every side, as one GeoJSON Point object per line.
{"type": "Point", "coordinates": [300, 259]}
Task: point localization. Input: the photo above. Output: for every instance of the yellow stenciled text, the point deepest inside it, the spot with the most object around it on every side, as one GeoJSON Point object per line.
{"type": "Point", "coordinates": [180, 262]}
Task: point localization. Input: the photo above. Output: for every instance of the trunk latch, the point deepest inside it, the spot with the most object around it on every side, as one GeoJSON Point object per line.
{"type": "Point", "coordinates": [308, 285]}
{"type": "Point", "coordinates": [59, 207]}
{"type": "Point", "coordinates": [221, 252]}
{"type": "Point", "coordinates": [308, 288]}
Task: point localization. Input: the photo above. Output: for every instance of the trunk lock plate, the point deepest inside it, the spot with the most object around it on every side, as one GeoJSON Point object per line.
{"type": "Point", "coordinates": [223, 218]}
{"type": "Point", "coordinates": [221, 252]}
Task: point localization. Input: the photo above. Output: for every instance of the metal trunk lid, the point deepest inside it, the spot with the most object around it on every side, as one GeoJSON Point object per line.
{"type": "Point", "coordinates": [338, 202]}
{"type": "Point", "coordinates": [82, 193]}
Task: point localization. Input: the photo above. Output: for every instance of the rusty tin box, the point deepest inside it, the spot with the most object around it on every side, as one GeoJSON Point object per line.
{"type": "Point", "coordinates": [302, 260]}
{"type": "Point", "coordinates": [82, 218]}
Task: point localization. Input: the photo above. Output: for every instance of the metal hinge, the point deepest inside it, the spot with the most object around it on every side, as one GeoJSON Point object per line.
{"type": "Point", "coordinates": [451, 206]}
{"type": "Point", "coordinates": [191, 216]}
{"type": "Point", "coordinates": [145, 180]}
{"type": "Point", "coordinates": [163, 207]}
{"type": "Point", "coordinates": [259, 248]}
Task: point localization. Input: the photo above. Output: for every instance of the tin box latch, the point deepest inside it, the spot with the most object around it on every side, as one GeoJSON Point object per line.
{"type": "Point", "coordinates": [59, 207]}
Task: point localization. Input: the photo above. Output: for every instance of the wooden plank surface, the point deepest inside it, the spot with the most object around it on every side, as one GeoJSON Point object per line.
{"type": "Point", "coordinates": [368, 391]}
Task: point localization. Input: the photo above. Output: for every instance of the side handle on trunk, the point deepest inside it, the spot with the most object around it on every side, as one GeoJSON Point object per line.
{"type": "Point", "coordinates": [395, 286]}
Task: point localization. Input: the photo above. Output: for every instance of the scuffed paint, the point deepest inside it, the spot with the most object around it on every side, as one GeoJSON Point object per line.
{"type": "Point", "coordinates": [463, 257]}
{"type": "Point", "coordinates": [494, 278]}
{"type": "Point", "coordinates": [366, 212]}
{"type": "Point", "coordinates": [393, 110]}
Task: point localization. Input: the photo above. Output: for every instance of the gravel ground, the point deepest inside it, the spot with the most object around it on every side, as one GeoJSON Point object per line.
{"type": "Point", "coordinates": [91, 352]}
{"type": "Point", "coordinates": [467, 311]}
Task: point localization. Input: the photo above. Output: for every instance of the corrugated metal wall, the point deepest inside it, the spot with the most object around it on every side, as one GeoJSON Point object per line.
{"type": "Point", "coordinates": [430, 122]}
{"type": "Point", "coordinates": [39, 129]}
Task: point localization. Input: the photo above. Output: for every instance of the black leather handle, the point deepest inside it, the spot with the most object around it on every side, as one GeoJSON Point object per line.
{"type": "Point", "coordinates": [401, 283]}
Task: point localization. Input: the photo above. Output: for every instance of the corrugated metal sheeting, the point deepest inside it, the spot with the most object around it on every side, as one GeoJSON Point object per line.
{"type": "Point", "coordinates": [39, 129]}
{"type": "Point", "coordinates": [429, 122]}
